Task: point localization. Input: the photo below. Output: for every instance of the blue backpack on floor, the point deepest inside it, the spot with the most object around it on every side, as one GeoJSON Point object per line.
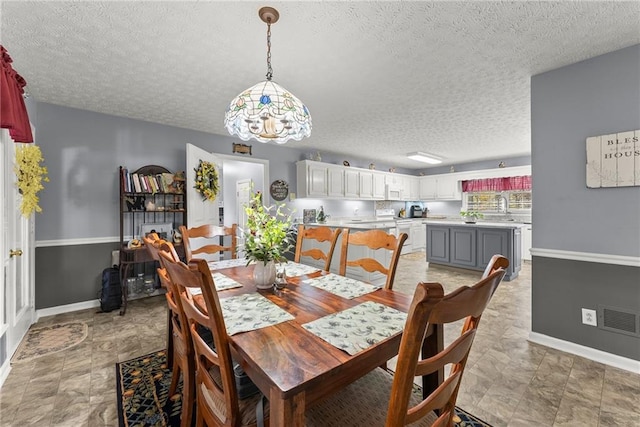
{"type": "Point", "coordinates": [110, 295]}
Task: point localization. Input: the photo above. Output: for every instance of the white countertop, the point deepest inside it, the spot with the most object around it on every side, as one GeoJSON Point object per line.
{"type": "Point", "coordinates": [373, 223]}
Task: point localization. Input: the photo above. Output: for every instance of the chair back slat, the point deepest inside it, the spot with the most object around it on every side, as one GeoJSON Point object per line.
{"type": "Point", "coordinates": [320, 234]}
{"type": "Point", "coordinates": [374, 240]}
{"type": "Point", "coordinates": [204, 241]}
{"type": "Point", "coordinates": [436, 400]}
{"type": "Point", "coordinates": [454, 353]}
{"type": "Point", "coordinates": [431, 306]}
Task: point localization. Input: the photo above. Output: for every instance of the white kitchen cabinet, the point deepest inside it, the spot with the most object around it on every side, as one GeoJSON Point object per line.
{"type": "Point", "coordinates": [440, 187]}
{"type": "Point", "coordinates": [378, 185]}
{"type": "Point", "coordinates": [413, 187]}
{"type": "Point", "coordinates": [428, 188]}
{"type": "Point", "coordinates": [449, 187]}
{"type": "Point", "coordinates": [312, 179]}
{"type": "Point", "coordinates": [366, 185]}
{"type": "Point", "coordinates": [335, 176]}
{"type": "Point", "coordinates": [418, 237]}
{"type": "Point", "coordinates": [351, 184]}
{"type": "Point", "coordinates": [526, 242]}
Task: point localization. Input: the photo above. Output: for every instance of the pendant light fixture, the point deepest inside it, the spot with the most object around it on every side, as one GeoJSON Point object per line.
{"type": "Point", "coordinates": [268, 112]}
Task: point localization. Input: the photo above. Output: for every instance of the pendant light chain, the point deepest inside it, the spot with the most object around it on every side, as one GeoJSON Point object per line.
{"type": "Point", "coordinates": [269, 69]}
{"type": "Point", "coordinates": [266, 111]}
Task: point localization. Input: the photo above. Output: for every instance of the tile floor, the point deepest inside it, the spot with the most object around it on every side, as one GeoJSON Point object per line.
{"type": "Point", "coordinates": [508, 381]}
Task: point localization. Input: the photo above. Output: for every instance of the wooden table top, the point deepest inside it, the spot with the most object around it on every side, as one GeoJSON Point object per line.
{"type": "Point", "coordinates": [291, 365]}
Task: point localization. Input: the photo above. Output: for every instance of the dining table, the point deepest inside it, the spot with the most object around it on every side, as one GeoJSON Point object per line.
{"type": "Point", "coordinates": [292, 366]}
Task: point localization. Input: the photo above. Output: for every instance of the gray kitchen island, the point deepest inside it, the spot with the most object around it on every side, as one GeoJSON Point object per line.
{"type": "Point", "coordinates": [459, 244]}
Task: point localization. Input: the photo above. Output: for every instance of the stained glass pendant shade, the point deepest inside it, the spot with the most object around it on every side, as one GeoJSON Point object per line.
{"type": "Point", "coordinates": [267, 112]}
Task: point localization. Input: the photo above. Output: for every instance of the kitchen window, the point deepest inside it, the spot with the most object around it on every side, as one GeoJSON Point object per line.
{"type": "Point", "coordinates": [498, 195]}
{"type": "Point", "coordinates": [497, 202]}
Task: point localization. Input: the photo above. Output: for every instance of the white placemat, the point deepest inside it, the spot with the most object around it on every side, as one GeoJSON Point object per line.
{"type": "Point", "coordinates": [359, 327]}
{"type": "Point", "coordinates": [344, 287]}
{"type": "Point", "coordinates": [251, 311]}
{"type": "Point", "coordinates": [221, 281]}
{"type": "Point", "coordinates": [227, 263]}
{"type": "Point", "coordinates": [294, 269]}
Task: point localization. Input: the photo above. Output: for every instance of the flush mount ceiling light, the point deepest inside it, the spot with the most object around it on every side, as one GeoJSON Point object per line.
{"type": "Point", "coordinates": [268, 112]}
{"type": "Point", "coordinates": [425, 158]}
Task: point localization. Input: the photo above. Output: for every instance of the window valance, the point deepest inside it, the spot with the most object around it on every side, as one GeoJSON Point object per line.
{"type": "Point", "coordinates": [510, 183]}
{"type": "Point", "coordinates": [13, 112]}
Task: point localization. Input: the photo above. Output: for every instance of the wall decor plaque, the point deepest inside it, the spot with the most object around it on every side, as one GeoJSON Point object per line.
{"type": "Point", "coordinates": [613, 160]}
{"type": "Point", "coordinates": [279, 190]}
{"type": "Point", "coordinates": [242, 148]}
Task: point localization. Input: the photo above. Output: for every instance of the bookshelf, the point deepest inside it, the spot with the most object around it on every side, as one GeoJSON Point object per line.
{"type": "Point", "coordinates": [152, 199]}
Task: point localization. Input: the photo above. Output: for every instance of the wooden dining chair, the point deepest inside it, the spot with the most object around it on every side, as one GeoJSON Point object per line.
{"type": "Point", "coordinates": [205, 241]}
{"type": "Point", "coordinates": [182, 354]}
{"type": "Point", "coordinates": [496, 262]}
{"type": "Point", "coordinates": [152, 243]}
{"type": "Point", "coordinates": [373, 240]}
{"type": "Point", "coordinates": [320, 235]}
{"type": "Point", "coordinates": [218, 402]}
{"type": "Point", "coordinates": [397, 392]}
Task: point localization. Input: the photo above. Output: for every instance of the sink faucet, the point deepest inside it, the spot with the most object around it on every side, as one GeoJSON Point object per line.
{"type": "Point", "coordinates": [503, 204]}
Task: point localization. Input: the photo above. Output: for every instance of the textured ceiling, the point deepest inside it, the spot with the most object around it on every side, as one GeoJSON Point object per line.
{"type": "Point", "coordinates": [381, 79]}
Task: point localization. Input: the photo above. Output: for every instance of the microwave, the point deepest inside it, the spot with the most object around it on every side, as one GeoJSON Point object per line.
{"type": "Point", "coordinates": [392, 192]}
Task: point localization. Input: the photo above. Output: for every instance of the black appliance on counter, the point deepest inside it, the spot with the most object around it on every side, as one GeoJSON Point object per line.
{"type": "Point", "coordinates": [415, 211]}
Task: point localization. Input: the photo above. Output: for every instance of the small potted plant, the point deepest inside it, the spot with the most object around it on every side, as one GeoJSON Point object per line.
{"type": "Point", "coordinates": [266, 239]}
{"type": "Point", "coordinates": [470, 217]}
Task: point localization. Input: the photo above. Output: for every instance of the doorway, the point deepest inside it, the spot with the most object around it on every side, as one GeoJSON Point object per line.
{"type": "Point", "coordinates": [17, 299]}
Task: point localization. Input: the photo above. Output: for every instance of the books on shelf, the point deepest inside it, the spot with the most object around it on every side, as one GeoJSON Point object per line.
{"type": "Point", "coordinates": [151, 183]}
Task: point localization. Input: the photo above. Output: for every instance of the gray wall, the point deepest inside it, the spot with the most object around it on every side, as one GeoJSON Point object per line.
{"type": "Point", "coordinates": [594, 97]}
{"type": "Point", "coordinates": [82, 151]}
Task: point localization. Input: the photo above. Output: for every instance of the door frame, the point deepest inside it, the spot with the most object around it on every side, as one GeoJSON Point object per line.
{"type": "Point", "coordinates": [18, 320]}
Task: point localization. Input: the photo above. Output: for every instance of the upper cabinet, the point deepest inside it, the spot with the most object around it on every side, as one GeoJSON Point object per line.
{"type": "Point", "coordinates": [440, 187]}
{"type": "Point", "coordinates": [324, 180]}
{"type": "Point", "coordinates": [313, 180]}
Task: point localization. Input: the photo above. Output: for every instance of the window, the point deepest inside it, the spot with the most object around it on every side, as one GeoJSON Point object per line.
{"type": "Point", "coordinates": [492, 201]}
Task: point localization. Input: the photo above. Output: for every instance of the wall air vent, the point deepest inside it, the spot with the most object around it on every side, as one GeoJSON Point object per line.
{"type": "Point", "coordinates": [619, 320]}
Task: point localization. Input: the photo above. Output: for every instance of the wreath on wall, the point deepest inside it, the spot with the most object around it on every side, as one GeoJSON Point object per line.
{"type": "Point", "coordinates": [30, 176]}
{"type": "Point", "coordinates": [207, 180]}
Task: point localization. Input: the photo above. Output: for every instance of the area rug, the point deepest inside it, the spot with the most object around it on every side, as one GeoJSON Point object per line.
{"type": "Point", "coordinates": [46, 340]}
{"type": "Point", "coordinates": [143, 388]}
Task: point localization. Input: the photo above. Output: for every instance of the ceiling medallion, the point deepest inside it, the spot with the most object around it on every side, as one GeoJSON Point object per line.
{"type": "Point", "coordinates": [267, 112]}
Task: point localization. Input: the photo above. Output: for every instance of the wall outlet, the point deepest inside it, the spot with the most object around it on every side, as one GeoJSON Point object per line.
{"type": "Point", "coordinates": [589, 317]}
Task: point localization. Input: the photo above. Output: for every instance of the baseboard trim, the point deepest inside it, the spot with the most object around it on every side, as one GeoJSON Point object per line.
{"type": "Point", "coordinates": [4, 370]}
{"type": "Point", "coordinates": [631, 261]}
{"type": "Point", "coordinates": [588, 352]}
{"type": "Point", "coordinates": [60, 309]}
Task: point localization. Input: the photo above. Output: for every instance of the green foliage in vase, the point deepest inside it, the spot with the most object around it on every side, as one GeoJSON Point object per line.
{"type": "Point", "coordinates": [266, 237]}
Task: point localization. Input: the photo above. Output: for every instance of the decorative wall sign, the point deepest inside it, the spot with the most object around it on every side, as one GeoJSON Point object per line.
{"type": "Point", "coordinates": [613, 160]}
{"type": "Point", "coordinates": [279, 190]}
{"type": "Point", "coordinates": [242, 148]}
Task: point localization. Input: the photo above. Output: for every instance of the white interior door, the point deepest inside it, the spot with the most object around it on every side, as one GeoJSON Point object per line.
{"type": "Point", "coordinates": [17, 300]}
{"type": "Point", "coordinates": [200, 211]}
{"type": "Point", "coordinates": [243, 196]}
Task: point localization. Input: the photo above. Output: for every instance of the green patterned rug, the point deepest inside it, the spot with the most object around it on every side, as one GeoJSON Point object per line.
{"type": "Point", "coordinates": [143, 394]}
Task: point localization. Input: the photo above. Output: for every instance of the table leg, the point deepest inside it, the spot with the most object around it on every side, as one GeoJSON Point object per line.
{"type": "Point", "coordinates": [432, 344]}
{"type": "Point", "coordinates": [286, 412]}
